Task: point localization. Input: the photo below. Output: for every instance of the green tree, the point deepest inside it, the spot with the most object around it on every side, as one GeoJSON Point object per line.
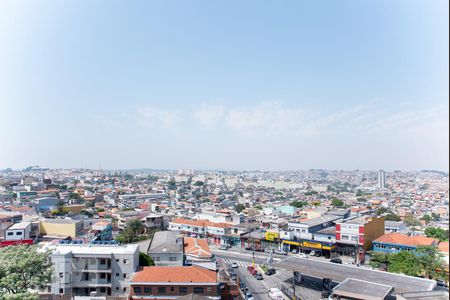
{"type": "Point", "coordinates": [337, 202]}
{"type": "Point", "coordinates": [145, 260]}
{"type": "Point", "coordinates": [411, 221]}
{"type": "Point", "coordinates": [379, 259]}
{"type": "Point", "coordinates": [438, 233]}
{"type": "Point", "coordinates": [22, 268]}
{"type": "Point", "coordinates": [299, 204]}
{"type": "Point", "coordinates": [199, 183]}
{"type": "Point", "coordinates": [258, 206]}
{"type": "Point", "coordinates": [392, 217]}
{"type": "Point", "coordinates": [426, 218]}
{"type": "Point", "coordinates": [74, 196]}
{"type": "Point", "coordinates": [132, 232]}
{"type": "Point", "coordinates": [404, 262]}
{"type": "Point", "coordinates": [240, 207]}
{"type": "Point", "coordinates": [430, 262]}
{"type": "Point", "coordinates": [382, 210]}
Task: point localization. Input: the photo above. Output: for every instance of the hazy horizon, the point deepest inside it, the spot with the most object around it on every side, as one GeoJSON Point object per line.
{"type": "Point", "coordinates": [225, 85]}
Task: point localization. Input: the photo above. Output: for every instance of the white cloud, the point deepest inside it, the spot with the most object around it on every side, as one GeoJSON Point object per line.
{"type": "Point", "coordinates": [153, 117]}
{"type": "Point", "coordinates": [266, 118]}
{"type": "Point", "coordinates": [209, 115]}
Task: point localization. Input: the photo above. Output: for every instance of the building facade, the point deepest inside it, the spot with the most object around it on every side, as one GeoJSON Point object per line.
{"type": "Point", "coordinates": [88, 270]}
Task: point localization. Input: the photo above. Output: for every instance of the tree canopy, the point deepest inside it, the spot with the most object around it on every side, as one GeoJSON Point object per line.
{"type": "Point", "coordinates": [240, 207]}
{"type": "Point", "coordinates": [411, 221]}
{"type": "Point", "coordinates": [132, 232]}
{"type": "Point", "coordinates": [145, 260]}
{"type": "Point", "coordinates": [299, 204]}
{"type": "Point", "coordinates": [438, 233]}
{"type": "Point", "coordinates": [392, 217]}
{"type": "Point", "coordinates": [22, 268]}
{"type": "Point", "coordinates": [337, 202]}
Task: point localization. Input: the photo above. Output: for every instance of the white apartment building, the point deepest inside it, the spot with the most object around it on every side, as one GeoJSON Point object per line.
{"type": "Point", "coordinates": [93, 270]}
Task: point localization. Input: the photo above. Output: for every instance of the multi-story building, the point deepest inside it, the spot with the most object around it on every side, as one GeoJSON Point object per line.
{"type": "Point", "coordinates": [87, 270]}
{"type": "Point", "coordinates": [202, 229]}
{"type": "Point", "coordinates": [358, 233]}
{"type": "Point", "coordinates": [381, 180]}
{"type": "Point", "coordinates": [396, 242]}
{"type": "Point", "coordinates": [174, 282]}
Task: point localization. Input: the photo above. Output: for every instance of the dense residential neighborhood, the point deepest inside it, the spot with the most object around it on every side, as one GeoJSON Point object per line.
{"type": "Point", "coordinates": [148, 234]}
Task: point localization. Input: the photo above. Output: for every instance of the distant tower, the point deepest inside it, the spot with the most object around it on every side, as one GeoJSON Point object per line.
{"type": "Point", "coordinates": [381, 180]}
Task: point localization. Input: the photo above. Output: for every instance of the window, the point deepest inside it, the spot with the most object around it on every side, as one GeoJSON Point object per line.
{"type": "Point", "coordinates": [147, 290]}
{"type": "Point", "coordinates": [209, 289]}
{"type": "Point", "coordinates": [199, 290]}
{"type": "Point", "coordinates": [125, 289]}
{"type": "Point", "coordinates": [61, 275]}
{"type": "Point", "coordinates": [161, 290]}
{"type": "Point", "coordinates": [172, 289]}
{"type": "Point", "coordinates": [103, 261]}
{"type": "Point", "coordinates": [125, 261]}
{"type": "Point", "coordinates": [137, 290]}
{"type": "Point", "coordinates": [172, 258]}
{"type": "Point", "coordinates": [183, 290]}
{"type": "Point", "coordinates": [10, 233]}
{"type": "Point", "coordinates": [157, 258]}
{"type": "Point", "coordinates": [102, 275]}
{"type": "Point", "coordinates": [117, 274]}
{"type": "Point", "coordinates": [124, 275]}
{"type": "Point", "coordinates": [61, 291]}
{"type": "Point", "coordinates": [19, 233]}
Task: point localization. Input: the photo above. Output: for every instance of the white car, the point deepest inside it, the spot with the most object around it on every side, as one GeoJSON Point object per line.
{"type": "Point", "coordinates": [275, 293]}
{"type": "Point", "coordinates": [302, 255]}
{"type": "Point", "coordinates": [295, 251]}
{"type": "Point", "coordinates": [280, 252]}
{"type": "Point", "coordinates": [234, 265]}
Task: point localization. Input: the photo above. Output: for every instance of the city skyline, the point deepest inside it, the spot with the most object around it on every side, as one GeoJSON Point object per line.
{"type": "Point", "coordinates": [236, 86]}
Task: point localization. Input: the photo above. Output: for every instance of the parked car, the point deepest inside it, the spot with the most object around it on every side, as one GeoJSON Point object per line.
{"type": "Point", "coordinates": [275, 293]}
{"type": "Point", "coordinates": [295, 251]}
{"type": "Point", "coordinates": [259, 276]}
{"type": "Point", "coordinates": [441, 283]}
{"type": "Point", "coordinates": [336, 260]}
{"type": "Point", "coordinates": [228, 246]}
{"type": "Point", "coordinates": [223, 247]}
{"type": "Point", "coordinates": [302, 255]}
{"type": "Point", "coordinates": [270, 272]}
{"type": "Point", "coordinates": [249, 296]}
{"type": "Point", "coordinates": [312, 253]}
{"type": "Point", "coordinates": [280, 252]}
{"type": "Point", "coordinates": [234, 265]}
{"type": "Point", "coordinates": [233, 276]}
{"type": "Point", "coordinates": [268, 250]}
{"type": "Point", "coordinates": [248, 248]}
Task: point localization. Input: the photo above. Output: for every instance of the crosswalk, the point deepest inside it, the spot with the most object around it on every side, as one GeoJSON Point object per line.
{"type": "Point", "coordinates": [239, 263]}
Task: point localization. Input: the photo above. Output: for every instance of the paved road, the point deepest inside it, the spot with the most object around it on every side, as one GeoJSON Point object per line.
{"type": "Point", "coordinates": [338, 272]}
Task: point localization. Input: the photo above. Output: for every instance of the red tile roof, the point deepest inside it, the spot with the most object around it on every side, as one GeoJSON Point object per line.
{"type": "Point", "coordinates": [402, 239]}
{"type": "Point", "coordinates": [175, 275]}
{"type": "Point", "coordinates": [197, 247]}
{"type": "Point", "coordinates": [443, 247]}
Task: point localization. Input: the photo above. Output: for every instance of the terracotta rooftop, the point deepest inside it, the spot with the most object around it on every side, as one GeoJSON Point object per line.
{"type": "Point", "coordinates": [443, 247]}
{"type": "Point", "coordinates": [402, 239]}
{"type": "Point", "coordinates": [175, 274]}
{"type": "Point", "coordinates": [197, 247]}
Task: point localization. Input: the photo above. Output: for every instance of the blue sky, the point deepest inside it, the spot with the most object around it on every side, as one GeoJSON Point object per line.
{"type": "Point", "coordinates": [225, 84]}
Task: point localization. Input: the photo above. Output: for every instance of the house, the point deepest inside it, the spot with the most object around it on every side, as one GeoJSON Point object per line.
{"type": "Point", "coordinates": [197, 253]}
{"type": "Point", "coordinates": [395, 242]}
{"type": "Point", "coordinates": [172, 282]}
{"type": "Point", "coordinates": [166, 248]}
